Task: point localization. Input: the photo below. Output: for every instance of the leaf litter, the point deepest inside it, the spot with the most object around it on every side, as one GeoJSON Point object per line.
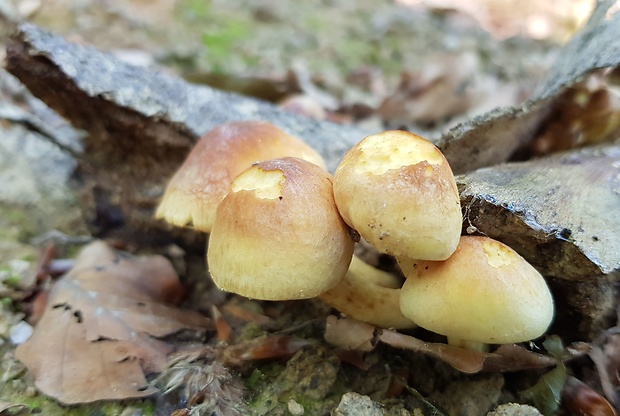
{"type": "Point", "coordinates": [351, 334]}
{"type": "Point", "coordinates": [99, 335]}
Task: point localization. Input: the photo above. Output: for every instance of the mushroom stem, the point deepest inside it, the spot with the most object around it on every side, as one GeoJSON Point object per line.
{"type": "Point", "coordinates": [468, 344]}
{"type": "Point", "coordinates": [369, 295]}
{"type": "Point", "coordinates": [369, 274]}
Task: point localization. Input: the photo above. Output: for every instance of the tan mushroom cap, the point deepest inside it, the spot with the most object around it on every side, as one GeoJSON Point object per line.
{"type": "Point", "coordinates": [278, 235]}
{"type": "Point", "coordinates": [398, 191]}
{"type": "Point", "coordinates": [194, 191]}
{"type": "Point", "coordinates": [485, 292]}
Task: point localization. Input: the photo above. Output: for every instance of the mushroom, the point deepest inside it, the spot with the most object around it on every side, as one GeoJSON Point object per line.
{"type": "Point", "coordinates": [277, 234]}
{"type": "Point", "coordinates": [205, 177]}
{"type": "Point", "coordinates": [398, 191]}
{"type": "Point", "coordinates": [485, 293]}
{"type": "Point", "coordinates": [369, 295]}
{"type": "Point", "coordinates": [193, 193]}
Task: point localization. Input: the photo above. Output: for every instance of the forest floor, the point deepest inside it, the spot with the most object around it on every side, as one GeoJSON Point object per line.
{"type": "Point", "coordinates": [352, 61]}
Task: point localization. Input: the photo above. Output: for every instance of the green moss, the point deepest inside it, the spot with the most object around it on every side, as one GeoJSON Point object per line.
{"type": "Point", "coordinates": [15, 215]}
{"type": "Point", "coordinates": [49, 407]}
{"type": "Point", "coordinates": [222, 41]}
{"type": "Point", "coordinates": [20, 223]}
{"type": "Point", "coordinates": [250, 331]}
{"type": "Point", "coordinates": [221, 32]}
{"type": "Point", "coordinates": [309, 378]}
{"type": "Point", "coordinates": [195, 9]}
{"type": "Point", "coordinates": [16, 224]}
{"type": "Point", "coordinates": [262, 375]}
{"type": "Point", "coordinates": [28, 257]}
{"type": "Point", "coordinates": [12, 280]}
{"type": "Point", "coordinates": [546, 394]}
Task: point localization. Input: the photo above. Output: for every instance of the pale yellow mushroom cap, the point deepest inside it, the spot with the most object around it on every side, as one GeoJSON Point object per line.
{"type": "Point", "coordinates": [194, 191]}
{"type": "Point", "coordinates": [398, 191]}
{"type": "Point", "coordinates": [278, 235]}
{"type": "Point", "coordinates": [485, 292]}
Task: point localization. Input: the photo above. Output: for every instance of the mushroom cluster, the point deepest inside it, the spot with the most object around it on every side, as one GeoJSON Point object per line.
{"type": "Point", "coordinates": [398, 191]}
{"type": "Point", "coordinates": [283, 228]}
{"type": "Point", "coordinates": [195, 190]}
{"type": "Point", "coordinates": [266, 199]}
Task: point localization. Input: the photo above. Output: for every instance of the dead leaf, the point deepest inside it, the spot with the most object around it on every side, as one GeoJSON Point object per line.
{"type": "Point", "coordinates": [12, 409]}
{"type": "Point", "coordinates": [511, 357]}
{"type": "Point", "coordinates": [467, 361]}
{"type": "Point", "coordinates": [349, 333]}
{"type": "Point", "coordinates": [605, 353]}
{"type": "Point", "coordinates": [545, 395]}
{"type": "Point", "coordinates": [303, 105]}
{"type": "Point", "coordinates": [446, 86]}
{"type": "Point", "coordinates": [96, 338]}
{"type": "Point", "coordinates": [246, 315]}
{"type": "Point", "coordinates": [222, 327]}
{"type": "Point", "coordinates": [266, 347]}
{"type": "Point", "coordinates": [580, 399]}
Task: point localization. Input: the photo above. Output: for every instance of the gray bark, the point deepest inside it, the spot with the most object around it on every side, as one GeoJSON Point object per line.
{"type": "Point", "coordinates": [561, 214]}
{"type": "Point", "coordinates": [496, 136]}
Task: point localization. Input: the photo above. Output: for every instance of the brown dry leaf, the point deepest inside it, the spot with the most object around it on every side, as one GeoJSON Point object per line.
{"type": "Point", "coordinates": [605, 353]}
{"type": "Point", "coordinates": [96, 339]}
{"type": "Point", "coordinates": [346, 333]}
{"type": "Point", "coordinates": [447, 86]}
{"type": "Point", "coordinates": [13, 409]}
{"type": "Point", "coordinates": [349, 334]}
{"type": "Point", "coordinates": [610, 359]}
{"type": "Point", "coordinates": [467, 361]}
{"type": "Point", "coordinates": [267, 347]}
{"type": "Point", "coordinates": [580, 399]}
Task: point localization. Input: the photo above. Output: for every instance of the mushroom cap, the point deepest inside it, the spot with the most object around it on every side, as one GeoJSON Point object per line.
{"type": "Point", "coordinates": [278, 235]}
{"type": "Point", "coordinates": [194, 191]}
{"type": "Point", "coordinates": [398, 191]}
{"type": "Point", "coordinates": [485, 292]}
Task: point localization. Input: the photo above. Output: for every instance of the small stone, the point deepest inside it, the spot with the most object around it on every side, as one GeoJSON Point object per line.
{"type": "Point", "coordinates": [295, 408]}
{"type": "Point", "coordinates": [354, 404]}
{"type": "Point", "coordinates": [30, 391]}
{"type": "Point", "coordinates": [132, 411]}
{"type": "Point", "coordinates": [514, 409]}
{"type": "Point", "coordinates": [20, 333]}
